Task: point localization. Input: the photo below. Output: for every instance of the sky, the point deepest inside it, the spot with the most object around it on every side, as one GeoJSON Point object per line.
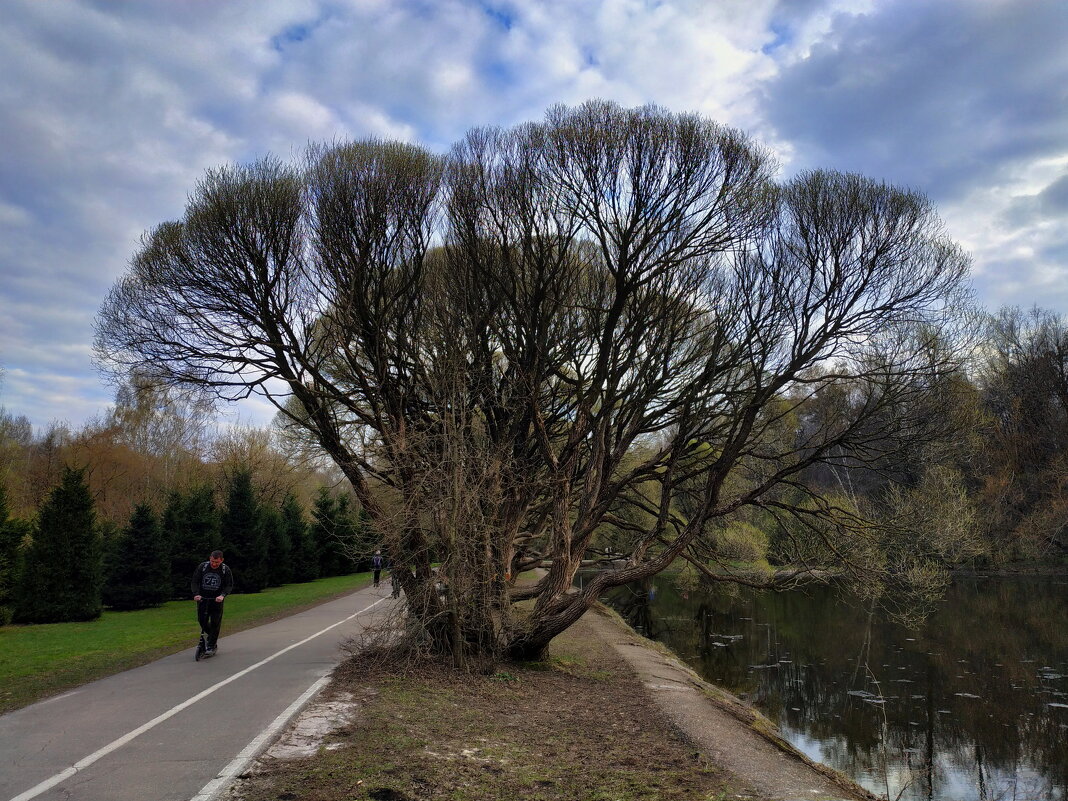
{"type": "Point", "coordinates": [110, 112]}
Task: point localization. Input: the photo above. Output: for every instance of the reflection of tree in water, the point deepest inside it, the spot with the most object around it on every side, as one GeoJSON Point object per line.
{"type": "Point", "coordinates": [634, 603]}
{"type": "Point", "coordinates": [965, 707]}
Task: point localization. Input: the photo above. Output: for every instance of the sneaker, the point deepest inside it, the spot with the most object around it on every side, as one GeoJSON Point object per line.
{"type": "Point", "coordinates": [211, 650]}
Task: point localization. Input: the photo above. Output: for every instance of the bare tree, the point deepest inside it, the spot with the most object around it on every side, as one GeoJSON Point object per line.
{"type": "Point", "coordinates": [1024, 385]}
{"type": "Point", "coordinates": [582, 341]}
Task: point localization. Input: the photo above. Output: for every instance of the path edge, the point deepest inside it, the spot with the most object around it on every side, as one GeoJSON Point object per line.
{"type": "Point", "coordinates": [731, 704]}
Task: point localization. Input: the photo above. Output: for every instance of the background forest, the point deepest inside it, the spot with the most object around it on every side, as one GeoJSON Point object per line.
{"type": "Point", "coordinates": [120, 512]}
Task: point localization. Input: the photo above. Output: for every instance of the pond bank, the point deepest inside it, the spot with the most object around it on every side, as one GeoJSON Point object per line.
{"type": "Point", "coordinates": [733, 734]}
{"type": "Point", "coordinates": [609, 715]}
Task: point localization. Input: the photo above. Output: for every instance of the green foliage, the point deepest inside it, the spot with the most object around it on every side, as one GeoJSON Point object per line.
{"type": "Point", "coordinates": [304, 561]}
{"type": "Point", "coordinates": [60, 577]}
{"type": "Point", "coordinates": [337, 533]}
{"type": "Point", "coordinates": [279, 546]}
{"type": "Point", "coordinates": [10, 537]}
{"type": "Point", "coordinates": [15, 537]}
{"type": "Point", "coordinates": [191, 527]}
{"type": "Point", "coordinates": [135, 575]}
{"type": "Point", "coordinates": [740, 541]}
{"type": "Point", "coordinates": [244, 537]}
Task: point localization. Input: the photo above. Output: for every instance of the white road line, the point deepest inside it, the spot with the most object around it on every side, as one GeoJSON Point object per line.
{"type": "Point", "coordinates": [48, 784]}
{"type": "Point", "coordinates": [212, 788]}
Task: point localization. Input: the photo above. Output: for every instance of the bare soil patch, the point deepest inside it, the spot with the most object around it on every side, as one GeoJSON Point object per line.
{"type": "Point", "coordinates": [579, 726]}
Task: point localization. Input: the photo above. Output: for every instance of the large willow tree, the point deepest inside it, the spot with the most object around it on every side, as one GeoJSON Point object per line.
{"type": "Point", "coordinates": [588, 340]}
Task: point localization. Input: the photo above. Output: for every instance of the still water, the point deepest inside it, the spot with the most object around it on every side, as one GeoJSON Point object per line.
{"type": "Point", "coordinates": [973, 706]}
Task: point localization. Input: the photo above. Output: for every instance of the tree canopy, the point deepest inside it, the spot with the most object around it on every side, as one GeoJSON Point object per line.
{"type": "Point", "coordinates": [592, 340]}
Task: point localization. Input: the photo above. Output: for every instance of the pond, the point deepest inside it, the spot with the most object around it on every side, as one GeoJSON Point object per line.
{"type": "Point", "coordinates": [972, 706]}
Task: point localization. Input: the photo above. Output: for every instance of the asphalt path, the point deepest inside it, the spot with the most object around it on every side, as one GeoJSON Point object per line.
{"type": "Point", "coordinates": [175, 729]}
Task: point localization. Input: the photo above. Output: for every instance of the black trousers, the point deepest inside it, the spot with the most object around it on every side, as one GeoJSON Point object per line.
{"type": "Point", "coordinates": [209, 613]}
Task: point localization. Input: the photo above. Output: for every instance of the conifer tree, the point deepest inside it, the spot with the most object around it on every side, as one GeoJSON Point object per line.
{"type": "Point", "coordinates": [191, 527]}
{"type": "Point", "coordinates": [349, 545]}
{"type": "Point", "coordinates": [324, 532]}
{"type": "Point", "coordinates": [14, 534]}
{"type": "Point", "coordinates": [8, 556]}
{"type": "Point", "coordinates": [305, 553]}
{"type": "Point", "coordinates": [279, 547]}
{"type": "Point", "coordinates": [338, 534]}
{"type": "Point", "coordinates": [244, 540]}
{"type": "Point", "coordinates": [137, 567]}
{"type": "Point", "coordinates": [60, 576]}
{"type": "Point", "coordinates": [174, 527]}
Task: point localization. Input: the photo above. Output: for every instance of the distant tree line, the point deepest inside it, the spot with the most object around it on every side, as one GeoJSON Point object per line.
{"type": "Point", "coordinates": [67, 563]}
{"type": "Point", "coordinates": [998, 485]}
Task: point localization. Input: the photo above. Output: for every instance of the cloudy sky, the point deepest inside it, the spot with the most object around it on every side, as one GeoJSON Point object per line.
{"type": "Point", "coordinates": [111, 111]}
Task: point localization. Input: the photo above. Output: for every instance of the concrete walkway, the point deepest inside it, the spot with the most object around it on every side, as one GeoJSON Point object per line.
{"type": "Point", "coordinates": [719, 724]}
{"type": "Point", "coordinates": [176, 729]}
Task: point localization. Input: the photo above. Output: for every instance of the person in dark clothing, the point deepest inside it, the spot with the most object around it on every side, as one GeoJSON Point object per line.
{"type": "Point", "coordinates": [376, 565]}
{"type": "Point", "coordinates": [212, 582]}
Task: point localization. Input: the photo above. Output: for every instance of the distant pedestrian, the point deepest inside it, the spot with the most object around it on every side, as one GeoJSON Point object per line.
{"type": "Point", "coordinates": [394, 582]}
{"type": "Point", "coordinates": [376, 565]}
{"type": "Point", "coordinates": [212, 582]}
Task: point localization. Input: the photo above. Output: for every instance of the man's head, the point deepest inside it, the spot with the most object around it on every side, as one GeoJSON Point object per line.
{"type": "Point", "coordinates": [216, 558]}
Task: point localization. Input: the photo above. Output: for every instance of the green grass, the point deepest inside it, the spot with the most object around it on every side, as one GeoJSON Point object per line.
{"type": "Point", "coordinates": [41, 660]}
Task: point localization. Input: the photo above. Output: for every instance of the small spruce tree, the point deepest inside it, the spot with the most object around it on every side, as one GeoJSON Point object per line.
{"type": "Point", "coordinates": [305, 551]}
{"type": "Point", "coordinates": [279, 547]}
{"type": "Point", "coordinates": [244, 539]}
{"type": "Point", "coordinates": [15, 538]}
{"type": "Point", "coordinates": [136, 575]}
{"type": "Point", "coordinates": [324, 532]}
{"type": "Point", "coordinates": [191, 528]}
{"type": "Point", "coordinates": [349, 545]}
{"type": "Point", "coordinates": [60, 575]}
{"type": "Point", "coordinates": [9, 544]}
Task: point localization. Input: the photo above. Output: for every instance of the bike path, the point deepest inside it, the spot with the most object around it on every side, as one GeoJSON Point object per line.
{"type": "Point", "coordinates": [164, 731]}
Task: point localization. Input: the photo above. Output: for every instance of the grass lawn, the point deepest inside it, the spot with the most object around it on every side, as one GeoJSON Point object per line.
{"type": "Point", "coordinates": [41, 660]}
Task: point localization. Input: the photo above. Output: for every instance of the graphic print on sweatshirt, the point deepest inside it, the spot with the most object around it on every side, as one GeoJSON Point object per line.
{"type": "Point", "coordinates": [210, 581]}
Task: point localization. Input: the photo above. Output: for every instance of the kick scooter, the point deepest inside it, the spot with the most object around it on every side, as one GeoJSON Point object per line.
{"type": "Point", "coordinates": [202, 647]}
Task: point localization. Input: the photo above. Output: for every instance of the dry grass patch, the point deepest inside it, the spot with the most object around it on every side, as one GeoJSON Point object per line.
{"type": "Point", "coordinates": [577, 726]}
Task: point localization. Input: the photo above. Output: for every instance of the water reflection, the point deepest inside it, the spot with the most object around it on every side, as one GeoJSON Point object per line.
{"type": "Point", "coordinates": [973, 707]}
